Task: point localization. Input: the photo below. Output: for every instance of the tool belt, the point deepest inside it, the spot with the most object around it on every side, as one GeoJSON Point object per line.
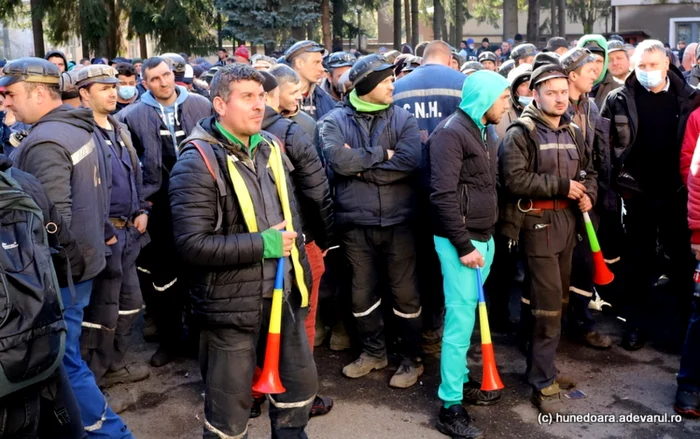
{"type": "Point", "coordinates": [121, 223]}
{"type": "Point", "coordinates": [539, 205]}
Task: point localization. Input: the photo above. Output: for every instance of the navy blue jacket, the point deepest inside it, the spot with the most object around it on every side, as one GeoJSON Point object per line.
{"type": "Point", "coordinates": [318, 103]}
{"type": "Point", "coordinates": [151, 136]}
{"type": "Point", "coordinates": [371, 189]}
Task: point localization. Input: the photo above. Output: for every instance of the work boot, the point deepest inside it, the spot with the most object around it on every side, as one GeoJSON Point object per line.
{"type": "Point", "coordinates": [150, 330]}
{"type": "Point", "coordinates": [456, 423]}
{"type": "Point", "coordinates": [474, 395]}
{"type": "Point", "coordinates": [120, 401]}
{"type": "Point", "coordinates": [597, 340]}
{"type": "Point", "coordinates": [321, 333]}
{"type": "Point", "coordinates": [432, 342]}
{"type": "Point", "coordinates": [322, 405]}
{"type": "Point", "coordinates": [547, 400]}
{"type": "Point", "coordinates": [406, 376]}
{"type": "Point", "coordinates": [127, 374]}
{"type": "Point", "coordinates": [364, 365]}
{"type": "Point", "coordinates": [687, 403]}
{"type": "Point", "coordinates": [256, 407]}
{"type": "Point", "coordinates": [340, 342]}
{"type": "Point", "coordinates": [565, 382]}
{"type": "Point", "coordinates": [162, 356]}
{"type": "Point", "coordinates": [633, 340]}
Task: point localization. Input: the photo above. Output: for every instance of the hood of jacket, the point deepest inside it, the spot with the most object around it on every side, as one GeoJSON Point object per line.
{"type": "Point", "coordinates": [536, 114]}
{"type": "Point", "coordinates": [271, 116]}
{"type": "Point", "coordinates": [182, 94]}
{"type": "Point", "coordinates": [78, 117]}
{"type": "Point", "coordinates": [479, 92]}
{"type": "Point", "coordinates": [602, 42]}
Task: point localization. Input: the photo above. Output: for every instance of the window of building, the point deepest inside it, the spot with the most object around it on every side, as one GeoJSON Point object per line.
{"type": "Point", "coordinates": [684, 29]}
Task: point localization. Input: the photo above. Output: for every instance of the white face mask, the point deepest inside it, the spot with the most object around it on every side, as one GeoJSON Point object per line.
{"type": "Point", "coordinates": [126, 92]}
{"type": "Point", "coordinates": [471, 46]}
{"type": "Point", "coordinates": [649, 79]}
{"type": "Point", "coordinates": [524, 100]}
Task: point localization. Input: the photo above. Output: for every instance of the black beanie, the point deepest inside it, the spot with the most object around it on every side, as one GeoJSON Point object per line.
{"type": "Point", "coordinates": [270, 82]}
{"type": "Point", "coordinates": [371, 81]}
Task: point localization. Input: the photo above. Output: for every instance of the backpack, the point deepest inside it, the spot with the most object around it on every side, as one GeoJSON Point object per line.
{"type": "Point", "coordinates": [32, 329]}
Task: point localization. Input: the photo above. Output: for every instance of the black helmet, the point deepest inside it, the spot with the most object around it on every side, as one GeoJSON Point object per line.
{"type": "Point", "coordinates": [411, 63]}
{"type": "Point", "coordinates": [340, 59]}
{"type": "Point", "coordinates": [211, 73]}
{"type": "Point", "coordinates": [471, 66]}
{"type": "Point", "coordinates": [300, 47]}
{"type": "Point", "coordinates": [506, 67]}
{"type": "Point", "coordinates": [523, 51]}
{"type": "Point", "coordinates": [30, 69]}
{"type": "Point", "coordinates": [575, 58]}
{"type": "Point", "coordinates": [177, 62]}
{"type": "Point", "coordinates": [488, 56]}
{"type": "Point", "coordinates": [366, 65]}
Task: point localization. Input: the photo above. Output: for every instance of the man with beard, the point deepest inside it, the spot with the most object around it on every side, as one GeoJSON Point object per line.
{"type": "Point", "coordinates": [338, 63]}
{"type": "Point", "coordinates": [540, 160]}
{"type": "Point", "coordinates": [463, 181]}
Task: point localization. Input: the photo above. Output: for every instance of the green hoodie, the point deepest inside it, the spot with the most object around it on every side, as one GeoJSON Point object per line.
{"type": "Point", "coordinates": [479, 92]}
{"type": "Point", "coordinates": [600, 40]}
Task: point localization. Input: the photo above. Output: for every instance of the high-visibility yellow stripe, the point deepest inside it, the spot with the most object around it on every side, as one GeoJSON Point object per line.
{"type": "Point", "coordinates": [246, 203]}
{"type": "Point", "coordinates": [276, 312]}
{"type": "Point", "coordinates": [243, 196]}
{"type": "Point", "coordinates": [484, 324]}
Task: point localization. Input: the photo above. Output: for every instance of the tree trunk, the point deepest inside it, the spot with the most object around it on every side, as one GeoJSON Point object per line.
{"type": "Point", "coordinates": [415, 32]}
{"type": "Point", "coordinates": [533, 21]}
{"type": "Point", "coordinates": [338, 10]}
{"type": "Point", "coordinates": [112, 23]}
{"type": "Point", "coordinates": [311, 31]}
{"type": "Point", "coordinates": [510, 18]}
{"type": "Point", "coordinates": [397, 25]}
{"type": "Point", "coordinates": [269, 48]}
{"type": "Point", "coordinates": [326, 24]}
{"type": "Point", "coordinates": [299, 33]}
{"type": "Point", "coordinates": [37, 29]}
{"type": "Point", "coordinates": [562, 18]}
{"type": "Point", "coordinates": [144, 46]}
{"type": "Point", "coordinates": [219, 37]}
{"type": "Point", "coordinates": [407, 20]}
{"type": "Point", "coordinates": [451, 33]}
{"type": "Point", "coordinates": [553, 17]}
{"type": "Point", "coordinates": [459, 22]}
{"type": "Point", "coordinates": [438, 19]}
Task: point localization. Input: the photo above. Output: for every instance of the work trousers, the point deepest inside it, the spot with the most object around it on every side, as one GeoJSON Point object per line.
{"type": "Point", "coordinates": [47, 409]}
{"type": "Point", "coordinates": [581, 289]}
{"type": "Point", "coordinates": [547, 243]}
{"type": "Point", "coordinates": [689, 374]}
{"type": "Point", "coordinates": [369, 250]}
{"type": "Point", "coordinates": [315, 256]}
{"type": "Point", "coordinates": [227, 358]}
{"type": "Point", "coordinates": [499, 284]}
{"type": "Point", "coordinates": [461, 300]}
{"type": "Point", "coordinates": [653, 220]}
{"type": "Point", "coordinates": [114, 306]}
{"type": "Point", "coordinates": [98, 419]}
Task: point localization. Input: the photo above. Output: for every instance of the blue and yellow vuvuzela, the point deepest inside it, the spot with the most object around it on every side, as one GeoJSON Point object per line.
{"type": "Point", "coordinates": [490, 379]}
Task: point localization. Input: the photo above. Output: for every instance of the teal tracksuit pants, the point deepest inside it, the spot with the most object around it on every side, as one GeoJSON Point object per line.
{"type": "Point", "coordinates": [461, 299]}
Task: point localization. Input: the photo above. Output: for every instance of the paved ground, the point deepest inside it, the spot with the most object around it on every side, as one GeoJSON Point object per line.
{"type": "Point", "coordinates": [617, 382]}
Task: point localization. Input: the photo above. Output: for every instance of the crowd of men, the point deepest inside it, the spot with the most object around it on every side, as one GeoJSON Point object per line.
{"type": "Point", "coordinates": [378, 189]}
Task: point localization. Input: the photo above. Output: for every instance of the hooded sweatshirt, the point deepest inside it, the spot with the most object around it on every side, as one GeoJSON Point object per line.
{"type": "Point", "coordinates": [462, 158]}
{"type": "Point", "coordinates": [606, 81]}
{"type": "Point", "coordinates": [169, 114]}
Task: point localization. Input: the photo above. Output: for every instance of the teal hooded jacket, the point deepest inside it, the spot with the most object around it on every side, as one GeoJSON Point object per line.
{"type": "Point", "coordinates": [479, 92]}
{"type": "Point", "coordinates": [600, 40]}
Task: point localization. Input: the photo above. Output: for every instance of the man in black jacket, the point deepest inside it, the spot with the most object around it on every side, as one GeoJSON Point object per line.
{"type": "Point", "coordinates": [233, 230]}
{"type": "Point", "coordinates": [61, 153]}
{"type": "Point", "coordinates": [374, 150]}
{"type": "Point", "coordinates": [315, 204]}
{"type": "Point", "coordinates": [649, 116]}
{"type": "Point", "coordinates": [540, 160]}
{"type": "Point", "coordinates": [164, 116]}
{"type": "Point", "coordinates": [463, 181]}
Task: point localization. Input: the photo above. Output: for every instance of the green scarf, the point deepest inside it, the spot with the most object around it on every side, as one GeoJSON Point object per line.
{"type": "Point", "coordinates": [365, 107]}
{"type": "Point", "coordinates": [255, 139]}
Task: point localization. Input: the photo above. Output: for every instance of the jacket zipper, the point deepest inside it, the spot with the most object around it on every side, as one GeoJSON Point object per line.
{"type": "Point", "coordinates": [464, 203]}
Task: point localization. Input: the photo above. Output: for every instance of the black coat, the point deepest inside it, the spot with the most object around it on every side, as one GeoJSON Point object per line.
{"type": "Point", "coordinates": [65, 249]}
{"type": "Point", "coordinates": [463, 182]}
{"type": "Point", "coordinates": [226, 266]}
{"type": "Point", "coordinates": [310, 181]}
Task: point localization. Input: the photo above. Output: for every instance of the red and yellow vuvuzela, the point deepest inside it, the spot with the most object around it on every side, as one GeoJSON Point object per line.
{"type": "Point", "coordinates": [601, 273]}
{"type": "Point", "coordinates": [490, 379]}
{"type": "Point", "coordinates": [269, 381]}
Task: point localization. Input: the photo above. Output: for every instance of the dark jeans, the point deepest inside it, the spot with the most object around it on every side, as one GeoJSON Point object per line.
{"type": "Point", "coordinates": [651, 221]}
{"type": "Point", "coordinates": [547, 243]}
{"type": "Point", "coordinates": [582, 290]}
{"type": "Point", "coordinates": [689, 374]}
{"type": "Point", "coordinates": [47, 409]}
{"type": "Point", "coordinates": [227, 359]}
{"type": "Point", "coordinates": [498, 285]}
{"type": "Point", "coordinates": [368, 250]}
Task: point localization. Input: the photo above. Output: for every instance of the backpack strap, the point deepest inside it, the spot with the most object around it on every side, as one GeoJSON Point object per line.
{"type": "Point", "coordinates": [207, 152]}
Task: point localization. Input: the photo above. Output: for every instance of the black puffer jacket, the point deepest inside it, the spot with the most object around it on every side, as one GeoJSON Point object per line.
{"type": "Point", "coordinates": [65, 249]}
{"type": "Point", "coordinates": [227, 269]}
{"type": "Point", "coordinates": [310, 182]}
{"type": "Point", "coordinates": [462, 182]}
